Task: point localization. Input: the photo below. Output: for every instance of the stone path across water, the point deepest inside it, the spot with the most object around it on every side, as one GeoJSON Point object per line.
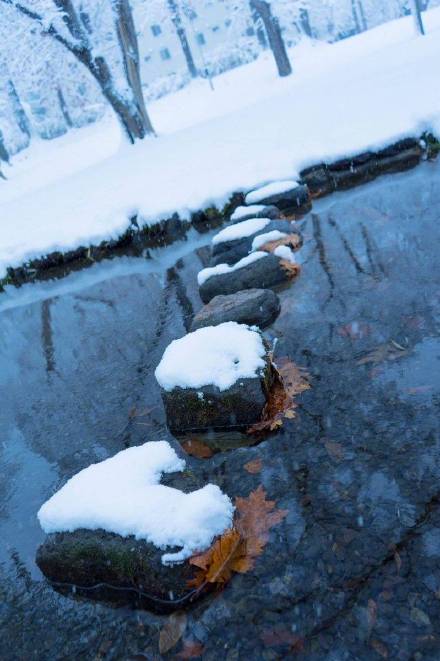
{"type": "Point", "coordinates": [353, 572]}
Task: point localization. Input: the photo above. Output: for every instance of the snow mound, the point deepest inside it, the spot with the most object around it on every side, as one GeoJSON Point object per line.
{"type": "Point", "coordinates": [261, 239]}
{"type": "Point", "coordinates": [122, 495]}
{"type": "Point", "coordinates": [204, 274]}
{"type": "Point", "coordinates": [240, 212]}
{"type": "Point", "coordinates": [273, 188]}
{"type": "Point", "coordinates": [241, 230]}
{"type": "Point", "coordinates": [284, 252]}
{"type": "Point", "coordinates": [214, 355]}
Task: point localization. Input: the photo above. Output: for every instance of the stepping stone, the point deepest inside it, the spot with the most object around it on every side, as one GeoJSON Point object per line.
{"type": "Point", "coordinates": [257, 270]}
{"type": "Point", "coordinates": [113, 523]}
{"type": "Point", "coordinates": [255, 211]}
{"type": "Point", "coordinates": [216, 377]}
{"type": "Point", "coordinates": [234, 242]}
{"type": "Point", "coordinates": [290, 197]}
{"type": "Point", "coordinates": [256, 307]}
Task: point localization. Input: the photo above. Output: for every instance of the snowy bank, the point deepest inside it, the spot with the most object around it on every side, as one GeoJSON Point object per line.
{"type": "Point", "coordinates": [325, 111]}
{"type": "Point", "coordinates": [123, 495]}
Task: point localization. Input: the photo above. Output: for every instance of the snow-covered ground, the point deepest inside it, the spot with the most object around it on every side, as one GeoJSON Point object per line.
{"type": "Point", "coordinates": [344, 98]}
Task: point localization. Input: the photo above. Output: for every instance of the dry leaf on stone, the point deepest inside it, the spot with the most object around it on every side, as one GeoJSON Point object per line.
{"type": "Point", "coordinates": [290, 381]}
{"type": "Point", "coordinates": [292, 270]}
{"type": "Point", "coordinates": [292, 241]}
{"type": "Point", "coordinates": [172, 632]}
{"type": "Point", "coordinates": [237, 549]}
{"type": "Point", "coordinates": [228, 554]}
{"type": "Point", "coordinates": [197, 448]}
{"type": "Point", "coordinates": [254, 466]}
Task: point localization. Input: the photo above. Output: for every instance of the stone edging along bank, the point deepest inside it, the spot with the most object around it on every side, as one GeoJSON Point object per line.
{"type": "Point", "coordinates": [321, 179]}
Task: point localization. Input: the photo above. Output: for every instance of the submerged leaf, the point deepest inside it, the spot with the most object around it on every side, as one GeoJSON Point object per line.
{"type": "Point", "coordinates": [172, 632]}
{"type": "Point", "coordinates": [197, 448]}
{"type": "Point", "coordinates": [254, 466]}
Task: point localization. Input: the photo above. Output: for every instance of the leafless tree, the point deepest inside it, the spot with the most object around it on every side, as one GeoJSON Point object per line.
{"type": "Point", "coordinates": [78, 39]}
{"type": "Point", "coordinates": [263, 9]}
{"type": "Point", "coordinates": [416, 11]}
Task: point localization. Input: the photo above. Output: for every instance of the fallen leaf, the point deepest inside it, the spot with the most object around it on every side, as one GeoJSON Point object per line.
{"type": "Point", "coordinates": [228, 554]}
{"type": "Point", "coordinates": [254, 466]}
{"type": "Point", "coordinates": [237, 549]}
{"type": "Point", "coordinates": [172, 632]}
{"type": "Point", "coordinates": [256, 516]}
{"type": "Point", "coordinates": [281, 636]}
{"type": "Point", "coordinates": [292, 270]}
{"type": "Point", "coordinates": [191, 650]}
{"type": "Point", "coordinates": [371, 613]}
{"type": "Point", "coordinates": [293, 241]}
{"type": "Point", "coordinates": [290, 380]}
{"type": "Point", "coordinates": [380, 648]}
{"type": "Point", "coordinates": [388, 351]}
{"type": "Point", "coordinates": [197, 448]}
{"type": "Point", "coordinates": [335, 450]}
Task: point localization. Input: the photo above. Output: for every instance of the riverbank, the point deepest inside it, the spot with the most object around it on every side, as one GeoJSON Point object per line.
{"type": "Point", "coordinates": [294, 124]}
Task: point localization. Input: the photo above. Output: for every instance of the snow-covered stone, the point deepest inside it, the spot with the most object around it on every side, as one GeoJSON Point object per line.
{"type": "Point", "coordinates": [274, 188]}
{"type": "Point", "coordinates": [240, 230]}
{"type": "Point", "coordinates": [266, 237]}
{"type": "Point", "coordinates": [220, 269]}
{"type": "Point", "coordinates": [255, 211]}
{"type": "Point", "coordinates": [215, 377]}
{"type": "Point", "coordinates": [236, 245]}
{"type": "Point", "coordinates": [289, 196]}
{"type": "Point", "coordinates": [123, 495]}
{"type": "Point", "coordinates": [257, 307]}
{"type": "Point", "coordinates": [264, 272]}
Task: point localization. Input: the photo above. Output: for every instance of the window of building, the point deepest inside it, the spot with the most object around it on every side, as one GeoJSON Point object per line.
{"type": "Point", "coordinates": [228, 22]}
{"type": "Point", "coordinates": [156, 30]}
{"type": "Point", "coordinates": [165, 54]}
{"type": "Point", "coordinates": [250, 32]}
{"type": "Point", "coordinates": [215, 28]}
{"type": "Point", "coordinates": [200, 38]}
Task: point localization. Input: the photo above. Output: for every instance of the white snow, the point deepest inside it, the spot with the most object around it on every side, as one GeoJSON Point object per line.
{"type": "Point", "coordinates": [204, 274]}
{"type": "Point", "coordinates": [240, 230]}
{"type": "Point", "coordinates": [261, 239]}
{"type": "Point", "coordinates": [214, 355]}
{"type": "Point", "coordinates": [240, 212]}
{"type": "Point", "coordinates": [273, 188]}
{"type": "Point", "coordinates": [284, 252]}
{"type": "Point", "coordinates": [123, 495]}
{"type": "Point", "coordinates": [358, 94]}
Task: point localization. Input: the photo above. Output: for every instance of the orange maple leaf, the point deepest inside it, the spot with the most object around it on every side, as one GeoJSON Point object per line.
{"type": "Point", "coordinates": [237, 549]}
{"type": "Point", "coordinates": [293, 241]}
{"type": "Point", "coordinates": [290, 380]}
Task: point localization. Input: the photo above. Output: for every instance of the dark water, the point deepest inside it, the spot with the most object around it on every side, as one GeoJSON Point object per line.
{"type": "Point", "coordinates": [354, 570]}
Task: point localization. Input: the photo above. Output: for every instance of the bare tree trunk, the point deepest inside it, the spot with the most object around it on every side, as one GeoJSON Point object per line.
{"type": "Point", "coordinates": [18, 109]}
{"type": "Point", "coordinates": [417, 14]}
{"type": "Point", "coordinates": [130, 109]}
{"type": "Point", "coordinates": [4, 155]}
{"type": "Point", "coordinates": [273, 31]}
{"type": "Point", "coordinates": [130, 52]}
{"type": "Point", "coordinates": [63, 107]}
{"type": "Point", "coordinates": [181, 33]}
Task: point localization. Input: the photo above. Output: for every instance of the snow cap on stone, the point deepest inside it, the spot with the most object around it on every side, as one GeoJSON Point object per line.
{"type": "Point", "coordinates": [274, 188]}
{"type": "Point", "coordinates": [212, 356]}
{"type": "Point", "coordinates": [123, 495]}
